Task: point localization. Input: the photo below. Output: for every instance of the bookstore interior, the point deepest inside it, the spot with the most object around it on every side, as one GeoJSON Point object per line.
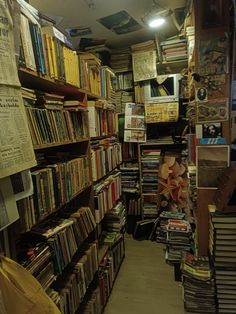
{"type": "Point", "coordinates": [127, 133]}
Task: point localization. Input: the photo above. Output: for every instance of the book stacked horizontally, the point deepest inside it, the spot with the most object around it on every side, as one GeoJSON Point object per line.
{"type": "Point", "coordinates": [115, 219]}
{"type": "Point", "coordinates": [129, 177]}
{"type": "Point", "coordinates": [174, 49]}
{"type": "Point", "coordinates": [179, 236]}
{"type": "Point", "coordinates": [161, 231]}
{"type": "Point", "coordinates": [121, 60]}
{"type": "Point", "coordinates": [198, 285]}
{"type": "Point", "coordinates": [222, 247]}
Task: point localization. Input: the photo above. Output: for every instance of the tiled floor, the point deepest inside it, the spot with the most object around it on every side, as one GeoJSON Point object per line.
{"type": "Point", "coordinates": [145, 283]}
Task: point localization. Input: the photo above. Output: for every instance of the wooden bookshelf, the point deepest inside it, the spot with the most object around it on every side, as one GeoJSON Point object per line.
{"type": "Point", "coordinates": [51, 145]}
{"type": "Point", "coordinates": [33, 80]}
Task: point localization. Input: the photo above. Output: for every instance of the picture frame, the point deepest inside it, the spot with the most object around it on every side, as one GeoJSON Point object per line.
{"type": "Point", "coordinates": [211, 162]}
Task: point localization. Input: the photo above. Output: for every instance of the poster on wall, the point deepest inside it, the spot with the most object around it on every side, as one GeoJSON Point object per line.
{"type": "Point", "coordinates": [144, 65]}
{"type": "Point", "coordinates": [214, 110]}
{"type": "Point", "coordinates": [213, 56]}
{"type": "Point", "coordinates": [211, 163]}
{"type": "Point", "coordinates": [135, 128]}
{"type": "Point", "coordinates": [16, 149]}
{"type": "Point", "coordinates": [166, 112]}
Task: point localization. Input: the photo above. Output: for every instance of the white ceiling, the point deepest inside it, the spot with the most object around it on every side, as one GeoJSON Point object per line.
{"type": "Point", "coordinates": [77, 13]}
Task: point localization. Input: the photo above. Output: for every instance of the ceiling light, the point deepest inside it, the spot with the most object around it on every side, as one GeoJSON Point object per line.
{"type": "Point", "coordinates": [156, 22]}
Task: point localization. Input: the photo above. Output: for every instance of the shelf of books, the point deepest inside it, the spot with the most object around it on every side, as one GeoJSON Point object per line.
{"type": "Point", "coordinates": [110, 264]}
{"type": "Point", "coordinates": [69, 100]}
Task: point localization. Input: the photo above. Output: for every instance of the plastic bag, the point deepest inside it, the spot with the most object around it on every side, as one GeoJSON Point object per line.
{"type": "Point", "coordinates": [21, 293]}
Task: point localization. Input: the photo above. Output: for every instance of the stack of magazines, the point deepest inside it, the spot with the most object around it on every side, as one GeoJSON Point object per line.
{"type": "Point", "coordinates": [198, 285]}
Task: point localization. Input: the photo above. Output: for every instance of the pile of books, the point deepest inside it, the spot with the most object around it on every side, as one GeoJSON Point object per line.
{"type": "Point", "coordinates": [106, 194]}
{"type": "Point", "coordinates": [161, 230]}
{"type": "Point", "coordinates": [150, 161]}
{"type": "Point", "coordinates": [115, 219]}
{"type": "Point", "coordinates": [65, 235]}
{"type": "Point", "coordinates": [150, 204]}
{"type": "Point", "coordinates": [222, 250]}
{"type": "Point", "coordinates": [129, 177]}
{"type": "Point", "coordinates": [174, 49]}
{"type": "Point", "coordinates": [198, 285]}
{"type": "Point", "coordinates": [144, 46]}
{"type": "Point", "coordinates": [37, 259]}
{"type": "Point", "coordinates": [73, 286]}
{"type": "Point", "coordinates": [121, 60]}
{"type": "Point", "coordinates": [121, 98]}
{"type": "Point", "coordinates": [179, 239]}
{"type": "Point", "coordinates": [105, 157]}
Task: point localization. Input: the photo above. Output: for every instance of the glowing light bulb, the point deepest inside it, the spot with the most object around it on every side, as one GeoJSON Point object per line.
{"type": "Point", "coordinates": [156, 22]}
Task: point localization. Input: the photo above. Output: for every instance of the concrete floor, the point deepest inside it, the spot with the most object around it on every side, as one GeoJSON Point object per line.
{"type": "Point", "coordinates": [145, 283]}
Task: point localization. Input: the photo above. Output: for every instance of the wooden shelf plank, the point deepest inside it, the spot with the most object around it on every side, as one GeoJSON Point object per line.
{"type": "Point", "coordinates": [50, 145]}
{"type": "Point", "coordinates": [33, 80]}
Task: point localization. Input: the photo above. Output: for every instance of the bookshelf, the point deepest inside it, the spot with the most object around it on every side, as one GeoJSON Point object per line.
{"type": "Point", "coordinates": [151, 156]}
{"type": "Point", "coordinates": [56, 238]}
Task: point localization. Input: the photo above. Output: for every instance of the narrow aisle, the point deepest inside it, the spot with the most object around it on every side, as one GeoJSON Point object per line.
{"type": "Point", "coordinates": [145, 284]}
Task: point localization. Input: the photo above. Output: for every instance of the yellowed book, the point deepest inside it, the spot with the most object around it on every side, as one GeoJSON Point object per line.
{"type": "Point", "coordinates": [77, 69]}
{"type": "Point", "coordinates": [54, 57]}
{"type": "Point", "coordinates": [49, 51]}
{"type": "Point", "coordinates": [65, 63]}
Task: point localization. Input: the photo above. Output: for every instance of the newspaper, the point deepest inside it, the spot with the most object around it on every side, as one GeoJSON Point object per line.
{"type": "Point", "coordinates": [8, 208]}
{"type": "Point", "coordinates": [144, 65]}
{"type": "Point", "coordinates": [16, 150]}
{"type": "Point", "coordinates": [166, 112]}
{"type": "Point", "coordinates": [8, 68]}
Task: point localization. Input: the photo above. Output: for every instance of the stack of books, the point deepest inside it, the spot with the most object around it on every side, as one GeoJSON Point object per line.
{"type": "Point", "coordinates": [198, 285]}
{"type": "Point", "coordinates": [179, 238]}
{"type": "Point", "coordinates": [129, 177]}
{"type": "Point", "coordinates": [150, 204]}
{"type": "Point", "coordinates": [115, 219]}
{"type": "Point", "coordinates": [105, 157]}
{"type": "Point", "coordinates": [37, 259]}
{"type": "Point", "coordinates": [121, 98]}
{"type": "Point", "coordinates": [222, 249]}
{"type": "Point", "coordinates": [107, 193]}
{"type": "Point", "coordinates": [161, 230]}
{"type": "Point", "coordinates": [150, 161]}
{"type": "Point", "coordinates": [144, 46]}
{"type": "Point", "coordinates": [174, 49]}
{"type": "Point", "coordinates": [121, 60]}
{"type": "Point", "coordinates": [72, 287]}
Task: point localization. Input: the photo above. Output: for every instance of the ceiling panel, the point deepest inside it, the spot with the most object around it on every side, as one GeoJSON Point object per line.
{"type": "Point", "coordinates": [87, 12]}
